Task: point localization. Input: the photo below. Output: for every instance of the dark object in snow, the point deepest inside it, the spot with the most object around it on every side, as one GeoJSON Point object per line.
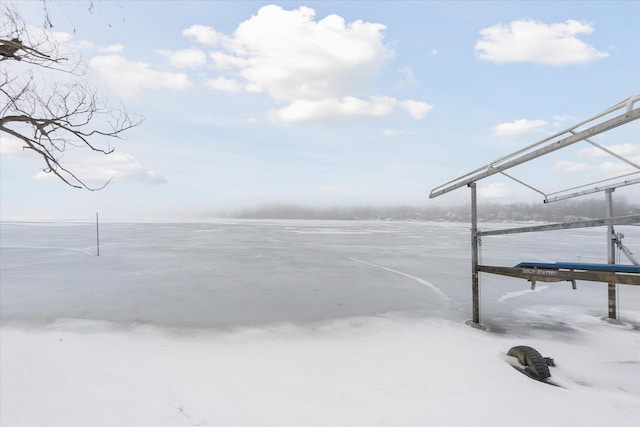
{"type": "Point", "coordinates": [535, 365]}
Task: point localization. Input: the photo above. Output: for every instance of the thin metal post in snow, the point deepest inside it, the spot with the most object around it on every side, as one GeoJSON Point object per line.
{"type": "Point", "coordinates": [474, 256]}
{"type": "Point", "coordinates": [611, 254]}
{"type": "Point", "coordinates": [97, 236]}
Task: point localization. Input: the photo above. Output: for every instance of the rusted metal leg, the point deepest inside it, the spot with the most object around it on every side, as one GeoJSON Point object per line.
{"type": "Point", "coordinates": [613, 312]}
{"type": "Point", "coordinates": [611, 254]}
{"type": "Point", "coordinates": [475, 285]}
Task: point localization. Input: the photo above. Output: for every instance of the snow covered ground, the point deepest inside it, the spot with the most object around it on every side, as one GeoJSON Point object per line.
{"type": "Point", "coordinates": [291, 323]}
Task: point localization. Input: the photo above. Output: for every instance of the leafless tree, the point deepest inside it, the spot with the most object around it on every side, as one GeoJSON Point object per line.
{"type": "Point", "coordinates": [46, 103]}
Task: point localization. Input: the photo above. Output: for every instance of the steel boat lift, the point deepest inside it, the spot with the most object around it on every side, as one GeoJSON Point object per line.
{"type": "Point", "coordinates": [611, 273]}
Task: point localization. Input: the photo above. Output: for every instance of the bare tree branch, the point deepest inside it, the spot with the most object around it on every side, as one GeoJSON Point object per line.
{"type": "Point", "coordinates": [54, 109]}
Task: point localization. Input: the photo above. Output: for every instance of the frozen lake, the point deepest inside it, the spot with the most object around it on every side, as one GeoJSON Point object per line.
{"type": "Point", "coordinates": [304, 323]}
{"type": "Point", "coordinates": [235, 273]}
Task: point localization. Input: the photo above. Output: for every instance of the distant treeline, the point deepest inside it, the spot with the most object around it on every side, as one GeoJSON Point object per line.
{"type": "Point", "coordinates": [551, 212]}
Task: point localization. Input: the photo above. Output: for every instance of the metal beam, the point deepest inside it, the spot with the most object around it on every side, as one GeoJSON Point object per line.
{"type": "Point", "coordinates": [613, 153]}
{"type": "Point", "coordinates": [624, 183]}
{"type": "Point", "coordinates": [549, 275]}
{"type": "Point", "coordinates": [494, 168]}
{"type": "Point", "coordinates": [620, 220]}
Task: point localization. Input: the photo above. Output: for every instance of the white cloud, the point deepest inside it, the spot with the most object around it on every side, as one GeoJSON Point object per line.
{"type": "Point", "coordinates": [494, 190]}
{"type": "Point", "coordinates": [187, 58]}
{"type": "Point", "coordinates": [620, 149]}
{"type": "Point", "coordinates": [619, 168]}
{"type": "Point", "coordinates": [224, 84]}
{"type": "Point", "coordinates": [416, 109]}
{"type": "Point", "coordinates": [571, 167]}
{"type": "Point", "coordinates": [408, 77]}
{"type": "Point", "coordinates": [127, 78]}
{"type": "Point", "coordinates": [391, 132]}
{"type": "Point", "coordinates": [10, 145]}
{"type": "Point", "coordinates": [59, 36]}
{"type": "Point", "coordinates": [531, 41]}
{"type": "Point", "coordinates": [113, 48]}
{"type": "Point", "coordinates": [610, 168]}
{"type": "Point", "coordinates": [329, 109]}
{"type": "Point", "coordinates": [224, 61]}
{"type": "Point", "coordinates": [518, 128]}
{"type": "Point", "coordinates": [203, 34]}
{"type": "Point", "coordinates": [97, 170]}
{"type": "Point", "coordinates": [309, 66]}
{"type": "Point", "coordinates": [291, 56]}
{"type": "Point", "coordinates": [62, 44]}
{"type": "Point", "coordinates": [561, 120]}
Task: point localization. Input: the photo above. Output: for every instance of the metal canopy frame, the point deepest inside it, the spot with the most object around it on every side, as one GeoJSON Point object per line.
{"type": "Point", "coordinates": [623, 112]}
{"type": "Point", "coordinates": [619, 114]}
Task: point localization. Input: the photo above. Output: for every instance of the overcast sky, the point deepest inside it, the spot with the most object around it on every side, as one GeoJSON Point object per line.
{"type": "Point", "coordinates": [332, 103]}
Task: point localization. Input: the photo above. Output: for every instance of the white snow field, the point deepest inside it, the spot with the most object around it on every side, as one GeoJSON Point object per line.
{"type": "Point", "coordinates": [304, 323]}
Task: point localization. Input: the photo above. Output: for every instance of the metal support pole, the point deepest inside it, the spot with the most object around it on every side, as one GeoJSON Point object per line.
{"type": "Point", "coordinates": [97, 236]}
{"type": "Point", "coordinates": [474, 256]}
{"type": "Point", "coordinates": [611, 255]}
